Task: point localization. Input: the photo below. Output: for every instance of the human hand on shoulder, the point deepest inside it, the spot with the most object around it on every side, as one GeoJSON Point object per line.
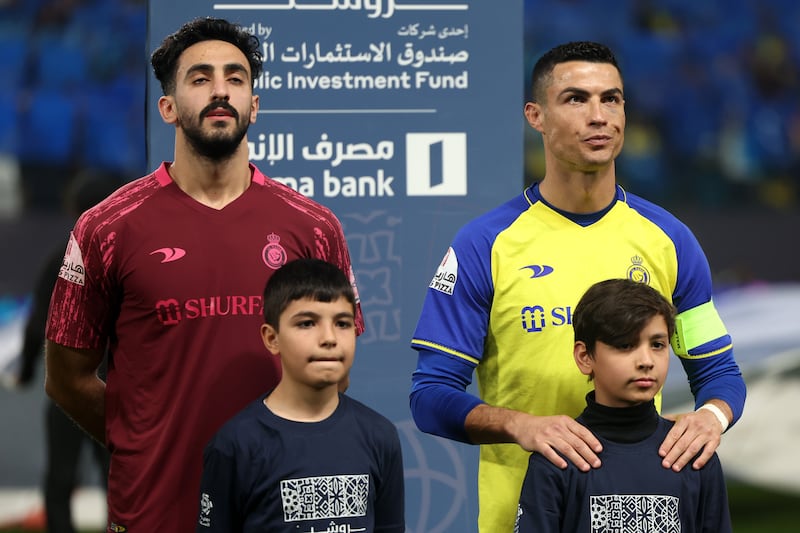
{"type": "Point", "coordinates": [696, 432]}
{"type": "Point", "coordinates": [551, 435]}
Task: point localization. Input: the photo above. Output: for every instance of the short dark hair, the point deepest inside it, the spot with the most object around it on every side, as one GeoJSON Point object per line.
{"type": "Point", "coordinates": [304, 278]}
{"type": "Point", "coordinates": [165, 57]}
{"type": "Point", "coordinates": [572, 51]}
{"type": "Point", "coordinates": [616, 310]}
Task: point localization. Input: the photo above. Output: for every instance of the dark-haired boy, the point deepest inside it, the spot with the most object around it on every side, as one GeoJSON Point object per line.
{"type": "Point", "coordinates": [622, 333]}
{"type": "Point", "coordinates": [305, 457]}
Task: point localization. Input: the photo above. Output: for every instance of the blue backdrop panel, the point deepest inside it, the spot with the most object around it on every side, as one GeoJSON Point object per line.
{"type": "Point", "coordinates": [405, 118]}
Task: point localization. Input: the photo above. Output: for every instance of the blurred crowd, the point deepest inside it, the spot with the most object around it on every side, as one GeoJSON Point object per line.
{"type": "Point", "coordinates": [712, 94]}
{"type": "Point", "coordinates": [712, 91]}
{"type": "Point", "coordinates": [74, 77]}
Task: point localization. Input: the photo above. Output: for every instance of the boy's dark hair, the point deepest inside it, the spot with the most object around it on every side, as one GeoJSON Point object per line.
{"type": "Point", "coordinates": [165, 57]}
{"type": "Point", "coordinates": [616, 310]}
{"type": "Point", "coordinates": [572, 51]}
{"type": "Point", "coordinates": [304, 278]}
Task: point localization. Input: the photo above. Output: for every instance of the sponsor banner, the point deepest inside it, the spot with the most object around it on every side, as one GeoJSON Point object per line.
{"type": "Point", "coordinates": [405, 118]}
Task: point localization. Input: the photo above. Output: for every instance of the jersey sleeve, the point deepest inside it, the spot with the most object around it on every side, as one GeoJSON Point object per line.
{"type": "Point", "coordinates": [541, 501]}
{"type": "Point", "coordinates": [455, 314]}
{"type": "Point", "coordinates": [453, 326]}
{"type": "Point", "coordinates": [439, 400]}
{"type": "Point", "coordinates": [701, 340]}
{"type": "Point", "coordinates": [83, 300]}
{"type": "Point", "coordinates": [220, 510]}
{"type": "Point", "coordinates": [715, 514]}
{"type": "Point", "coordinates": [390, 494]}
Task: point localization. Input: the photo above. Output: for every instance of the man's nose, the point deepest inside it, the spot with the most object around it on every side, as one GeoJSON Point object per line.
{"type": "Point", "coordinates": [596, 112]}
{"type": "Point", "coordinates": [220, 89]}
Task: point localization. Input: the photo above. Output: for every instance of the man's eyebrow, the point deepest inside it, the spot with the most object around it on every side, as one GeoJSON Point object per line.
{"type": "Point", "coordinates": [206, 67]}
{"type": "Point", "coordinates": [234, 67]}
{"type": "Point", "coordinates": [198, 67]}
{"type": "Point", "coordinates": [614, 91]}
{"type": "Point", "coordinates": [583, 92]}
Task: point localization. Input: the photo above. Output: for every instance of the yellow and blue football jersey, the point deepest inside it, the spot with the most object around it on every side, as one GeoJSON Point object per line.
{"type": "Point", "coordinates": [501, 301]}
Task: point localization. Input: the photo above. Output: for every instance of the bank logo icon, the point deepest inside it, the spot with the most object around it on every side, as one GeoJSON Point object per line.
{"type": "Point", "coordinates": [436, 164]}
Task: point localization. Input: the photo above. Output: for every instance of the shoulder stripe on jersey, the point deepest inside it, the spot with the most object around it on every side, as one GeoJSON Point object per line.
{"type": "Point", "coordinates": [697, 326]}
{"type": "Point", "coordinates": [445, 349]}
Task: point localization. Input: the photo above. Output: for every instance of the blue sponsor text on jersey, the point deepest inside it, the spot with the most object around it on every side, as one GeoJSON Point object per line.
{"type": "Point", "coordinates": [535, 317]}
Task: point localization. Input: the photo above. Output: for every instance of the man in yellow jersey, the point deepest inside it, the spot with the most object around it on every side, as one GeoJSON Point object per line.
{"type": "Point", "coordinates": [502, 298]}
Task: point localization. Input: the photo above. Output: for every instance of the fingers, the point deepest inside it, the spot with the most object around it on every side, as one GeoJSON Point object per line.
{"type": "Point", "coordinates": [581, 456]}
{"type": "Point", "coordinates": [554, 458]}
{"type": "Point", "coordinates": [683, 451]}
{"type": "Point", "coordinates": [694, 438]}
{"type": "Point", "coordinates": [701, 461]}
{"type": "Point", "coordinates": [554, 435]}
{"type": "Point", "coordinates": [584, 447]}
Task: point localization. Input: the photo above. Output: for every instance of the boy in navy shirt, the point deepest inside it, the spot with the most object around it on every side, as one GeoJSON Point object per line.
{"type": "Point", "coordinates": [305, 457]}
{"type": "Point", "coordinates": [622, 333]}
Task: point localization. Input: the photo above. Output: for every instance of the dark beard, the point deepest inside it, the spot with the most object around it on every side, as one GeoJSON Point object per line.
{"type": "Point", "coordinates": [216, 146]}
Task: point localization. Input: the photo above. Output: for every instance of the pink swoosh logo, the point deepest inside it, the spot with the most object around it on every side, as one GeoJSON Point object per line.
{"type": "Point", "coordinates": [170, 254]}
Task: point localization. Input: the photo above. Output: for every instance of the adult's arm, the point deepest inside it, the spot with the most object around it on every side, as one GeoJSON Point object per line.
{"type": "Point", "coordinates": [390, 490]}
{"type": "Point", "coordinates": [705, 349]}
{"type": "Point", "coordinates": [71, 381]}
{"type": "Point", "coordinates": [441, 405]}
{"type": "Point", "coordinates": [706, 353]}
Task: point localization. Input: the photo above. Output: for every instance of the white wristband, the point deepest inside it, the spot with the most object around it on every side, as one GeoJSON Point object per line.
{"type": "Point", "coordinates": [718, 413]}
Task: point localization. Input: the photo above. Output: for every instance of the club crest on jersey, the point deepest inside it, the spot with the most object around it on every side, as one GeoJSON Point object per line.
{"type": "Point", "coordinates": [447, 274]}
{"type": "Point", "coordinates": [273, 254]}
{"type": "Point", "coordinates": [637, 272]}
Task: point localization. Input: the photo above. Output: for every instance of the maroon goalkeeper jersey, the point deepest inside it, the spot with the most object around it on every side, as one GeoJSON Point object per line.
{"type": "Point", "coordinates": [174, 287]}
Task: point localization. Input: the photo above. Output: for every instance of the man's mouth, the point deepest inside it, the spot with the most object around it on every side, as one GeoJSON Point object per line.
{"type": "Point", "coordinates": [219, 111]}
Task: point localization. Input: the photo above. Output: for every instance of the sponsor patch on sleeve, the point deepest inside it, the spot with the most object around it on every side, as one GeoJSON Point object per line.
{"type": "Point", "coordinates": [447, 274]}
{"type": "Point", "coordinates": [72, 268]}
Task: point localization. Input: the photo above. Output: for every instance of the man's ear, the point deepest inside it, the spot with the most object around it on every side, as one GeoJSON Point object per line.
{"type": "Point", "coordinates": [583, 358]}
{"type": "Point", "coordinates": [533, 114]}
{"type": "Point", "coordinates": [254, 103]}
{"type": "Point", "coordinates": [166, 107]}
{"type": "Point", "coordinates": [270, 337]}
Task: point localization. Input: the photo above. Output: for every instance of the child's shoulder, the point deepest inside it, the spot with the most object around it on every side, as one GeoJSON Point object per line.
{"type": "Point", "coordinates": [365, 413]}
{"type": "Point", "coordinates": [665, 423]}
{"type": "Point", "coordinates": [239, 429]}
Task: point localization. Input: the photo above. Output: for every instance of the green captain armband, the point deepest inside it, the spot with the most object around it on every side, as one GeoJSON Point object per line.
{"type": "Point", "coordinates": [696, 327]}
